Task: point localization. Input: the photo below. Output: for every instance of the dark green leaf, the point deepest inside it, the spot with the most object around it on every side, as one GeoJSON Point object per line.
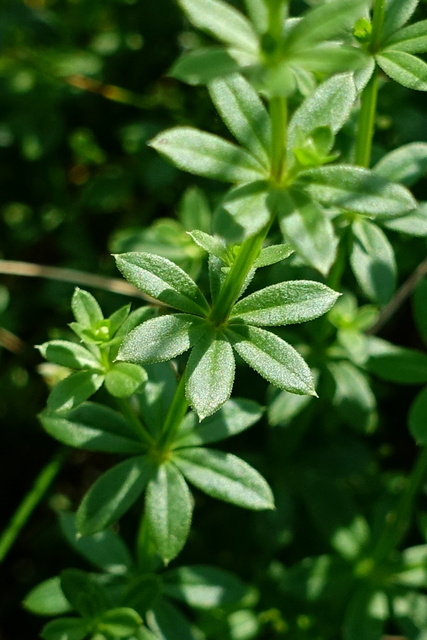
{"type": "Point", "coordinates": [203, 587]}
{"type": "Point", "coordinates": [285, 303]}
{"type": "Point", "coordinates": [163, 280]}
{"type": "Point", "coordinates": [123, 379]}
{"type": "Point", "coordinates": [272, 358]}
{"type": "Point", "coordinates": [47, 599]}
{"type": "Point", "coordinates": [210, 373]}
{"type": "Point", "coordinates": [168, 508]}
{"type": "Point", "coordinates": [353, 397]}
{"type": "Point", "coordinates": [285, 407]}
{"type": "Point", "coordinates": [120, 622]}
{"type": "Point", "coordinates": [65, 629]}
{"type": "Point", "coordinates": [418, 418]}
{"type": "Point", "coordinates": [84, 593]}
{"type": "Point", "coordinates": [157, 394]}
{"type": "Point", "coordinates": [226, 477]}
{"type": "Point", "coordinates": [207, 155]}
{"type": "Point", "coordinates": [396, 364]}
{"type": "Point", "coordinates": [366, 614]}
{"type": "Point", "coordinates": [74, 390]}
{"type": "Point", "coordinates": [325, 578]}
{"type": "Point", "coordinates": [113, 494]}
{"type": "Point", "coordinates": [168, 623]}
{"type": "Point", "coordinates": [161, 338]}
{"type": "Point", "coordinates": [372, 261]}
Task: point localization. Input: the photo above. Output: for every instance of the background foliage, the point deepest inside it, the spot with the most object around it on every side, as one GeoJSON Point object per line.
{"type": "Point", "coordinates": [82, 90]}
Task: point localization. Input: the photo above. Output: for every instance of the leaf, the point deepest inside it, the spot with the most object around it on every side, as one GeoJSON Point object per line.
{"type": "Point", "coordinates": [104, 549]}
{"type": "Point", "coordinates": [158, 394]}
{"type": "Point", "coordinates": [168, 509]}
{"type": "Point", "coordinates": [194, 211]}
{"type": "Point", "coordinates": [120, 622]}
{"type": "Point", "coordinates": [353, 397]}
{"type": "Point", "coordinates": [86, 309]}
{"type": "Point", "coordinates": [330, 106]}
{"type": "Point", "coordinates": [84, 592]}
{"type": "Point", "coordinates": [225, 477]}
{"type": "Point", "coordinates": [411, 39]}
{"type": "Point", "coordinates": [273, 254]}
{"type": "Point", "coordinates": [214, 246]}
{"type": "Point", "coordinates": [366, 615]}
{"type": "Point", "coordinates": [113, 494]}
{"type": "Point", "coordinates": [414, 223]}
{"type": "Point", "coordinates": [123, 379]}
{"type": "Point", "coordinates": [417, 418]}
{"type": "Point", "coordinates": [65, 629]}
{"type": "Point", "coordinates": [397, 14]}
{"type": "Point", "coordinates": [404, 68]}
{"type": "Point", "coordinates": [396, 364]}
{"type": "Point", "coordinates": [202, 66]}
{"type": "Point", "coordinates": [203, 587]}
{"type": "Point", "coordinates": [413, 572]}
{"type": "Point", "coordinates": [232, 418]}
{"type": "Point", "coordinates": [372, 261]}
{"type": "Point", "coordinates": [221, 21]}
{"type": "Point", "coordinates": [410, 612]}
{"type": "Point", "coordinates": [244, 114]}
{"type": "Point", "coordinates": [285, 407]}
{"type": "Point", "coordinates": [74, 390]}
{"type": "Point", "coordinates": [163, 280]}
{"type": "Point", "coordinates": [285, 303]}
{"type": "Point", "coordinates": [68, 354]}
{"type": "Point", "coordinates": [406, 164]}
{"type": "Point", "coordinates": [92, 427]}
{"type": "Point", "coordinates": [258, 13]}
{"type": "Point", "coordinates": [321, 579]}
{"type": "Point", "coordinates": [207, 155]}
{"type": "Point", "coordinates": [161, 338]}
{"type": "Point", "coordinates": [330, 58]}
{"type": "Point", "coordinates": [250, 207]}
{"type": "Point", "coordinates": [306, 226]}
{"type": "Point", "coordinates": [357, 189]}
{"type": "Point", "coordinates": [272, 358]}
{"type": "Point", "coordinates": [209, 374]}
{"type": "Point", "coordinates": [168, 623]}
{"type": "Point", "coordinates": [47, 599]}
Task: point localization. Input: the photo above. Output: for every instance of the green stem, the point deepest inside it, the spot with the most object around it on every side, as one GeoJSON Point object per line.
{"type": "Point", "coordinates": [134, 422]}
{"type": "Point", "coordinates": [365, 129]}
{"type": "Point", "coordinates": [377, 24]}
{"type": "Point", "coordinates": [30, 502]}
{"type": "Point", "coordinates": [230, 290]}
{"type": "Point", "coordinates": [398, 520]}
{"type": "Point", "coordinates": [175, 415]}
{"type": "Point", "coordinates": [279, 121]}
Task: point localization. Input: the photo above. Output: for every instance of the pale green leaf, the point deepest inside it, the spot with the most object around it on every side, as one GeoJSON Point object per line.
{"type": "Point", "coordinates": [65, 629]}
{"type": "Point", "coordinates": [47, 599]}
{"type": "Point", "coordinates": [123, 379]}
{"type": "Point", "coordinates": [161, 338]}
{"type": "Point", "coordinates": [413, 224]}
{"type": "Point", "coordinates": [357, 189]}
{"type": "Point", "coordinates": [69, 354]}
{"type": "Point", "coordinates": [221, 21]}
{"type": "Point", "coordinates": [397, 14]}
{"type": "Point", "coordinates": [411, 39]}
{"type": "Point", "coordinates": [258, 13]}
{"type": "Point", "coordinates": [74, 390]}
{"type": "Point", "coordinates": [404, 68]}
{"type": "Point", "coordinates": [406, 164]}
{"type": "Point", "coordinates": [272, 358]}
{"type": "Point", "coordinates": [245, 211]}
{"type": "Point", "coordinates": [215, 246]}
{"type": "Point", "coordinates": [113, 494]}
{"type": "Point", "coordinates": [244, 114]}
{"type": "Point", "coordinates": [372, 261]}
{"type": "Point", "coordinates": [120, 622]}
{"type": "Point", "coordinates": [285, 303]}
{"type": "Point", "coordinates": [306, 226]}
{"type": "Point", "coordinates": [210, 374]}
{"type": "Point", "coordinates": [207, 155]}
{"type": "Point", "coordinates": [201, 66]}
{"type": "Point", "coordinates": [163, 280]}
{"type": "Point", "coordinates": [273, 254]}
{"type": "Point", "coordinates": [168, 508]}
{"type": "Point", "coordinates": [224, 476]}
{"type": "Point", "coordinates": [194, 210]}
{"type": "Point", "coordinates": [85, 308]}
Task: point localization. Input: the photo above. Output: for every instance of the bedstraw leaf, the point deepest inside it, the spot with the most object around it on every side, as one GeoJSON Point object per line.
{"type": "Point", "coordinates": [406, 164]}
{"type": "Point", "coordinates": [203, 587]}
{"type": "Point", "coordinates": [411, 39]}
{"type": "Point", "coordinates": [408, 70]}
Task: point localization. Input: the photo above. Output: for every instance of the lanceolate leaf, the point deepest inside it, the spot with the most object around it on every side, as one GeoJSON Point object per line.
{"type": "Point", "coordinates": [372, 261]}
{"type": "Point", "coordinates": [65, 629]}
{"type": "Point", "coordinates": [203, 587]}
{"type": "Point", "coordinates": [414, 223]}
{"type": "Point", "coordinates": [74, 390]}
{"type": "Point", "coordinates": [405, 68]}
{"type": "Point", "coordinates": [202, 66]}
{"type": "Point", "coordinates": [272, 358]}
{"type": "Point", "coordinates": [306, 226]}
{"type": "Point", "coordinates": [85, 308]}
{"type": "Point", "coordinates": [214, 246]}
{"type": "Point", "coordinates": [210, 374]}
{"type": "Point", "coordinates": [358, 189]}
{"type": "Point", "coordinates": [167, 622]}
{"type": "Point", "coordinates": [123, 379]}
{"type": "Point", "coordinates": [168, 508]}
{"type": "Point", "coordinates": [397, 364]}
{"type": "Point", "coordinates": [285, 303]}
{"type": "Point", "coordinates": [113, 494]}
{"type": "Point", "coordinates": [273, 254]}
{"type": "Point", "coordinates": [223, 476]}
{"type": "Point", "coordinates": [353, 397]}
{"type": "Point", "coordinates": [47, 599]}
{"type": "Point", "coordinates": [397, 14]}
{"type": "Point", "coordinates": [406, 164]}
{"type": "Point", "coordinates": [411, 39]}
{"type": "Point", "coordinates": [69, 354]}
{"type": "Point", "coordinates": [161, 338]}
{"type": "Point", "coordinates": [207, 155]}
{"type": "Point", "coordinates": [232, 418]}
{"type": "Point", "coordinates": [250, 207]}
{"type": "Point", "coordinates": [221, 21]}
{"type": "Point", "coordinates": [244, 114]}
{"type": "Point", "coordinates": [163, 280]}
{"type": "Point", "coordinates": [92, 427]}
{"type": "Point", "coordinates": [329, 106]}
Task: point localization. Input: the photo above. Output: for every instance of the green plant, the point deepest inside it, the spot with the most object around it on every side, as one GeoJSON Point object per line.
{"type": "Point", "coordinates": [303, 207]}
